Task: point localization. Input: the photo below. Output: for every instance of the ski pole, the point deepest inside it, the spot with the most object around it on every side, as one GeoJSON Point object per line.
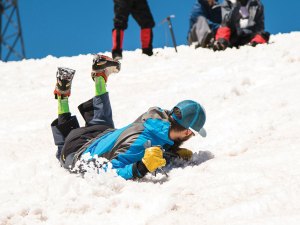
{"type": "Point", "coordinates": [168, 19]}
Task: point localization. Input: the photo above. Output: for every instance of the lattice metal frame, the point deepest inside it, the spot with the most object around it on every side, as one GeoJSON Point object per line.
{"type": "Point", "coordinates": [10, 31]}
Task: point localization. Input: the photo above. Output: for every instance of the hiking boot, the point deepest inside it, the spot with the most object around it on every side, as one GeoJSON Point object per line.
{"type": "Point", "coordinates": [117, 54]}
{"type": "Point", "coordinates": [147, 51]}
{"type": "Point", "coordinates": [206, 41]}
{"type": "Point", "coordinates": [104, 66]}
{"type": "Point", "coordinates": [64, 77]}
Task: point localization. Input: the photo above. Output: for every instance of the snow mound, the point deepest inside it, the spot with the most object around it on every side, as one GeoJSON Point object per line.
{"type": "Point", "coordinates": [246, 172]}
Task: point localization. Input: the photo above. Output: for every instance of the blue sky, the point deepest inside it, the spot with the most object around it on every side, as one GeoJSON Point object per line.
{"type": "Point", "coordinates": [73, 27]}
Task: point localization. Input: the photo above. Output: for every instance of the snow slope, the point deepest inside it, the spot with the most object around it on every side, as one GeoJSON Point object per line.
{"type": "Point", "coordinates": [251, 96]}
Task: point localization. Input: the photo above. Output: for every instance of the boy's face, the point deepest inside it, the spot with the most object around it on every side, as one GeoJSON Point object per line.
{"type": "Point", "coordinates": [181, 136]}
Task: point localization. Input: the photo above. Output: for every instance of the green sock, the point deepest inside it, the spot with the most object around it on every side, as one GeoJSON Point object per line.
{"type": "Point", "coordinates": [100, 86]}
{"type": "Point", "coordinates": [63, 105]}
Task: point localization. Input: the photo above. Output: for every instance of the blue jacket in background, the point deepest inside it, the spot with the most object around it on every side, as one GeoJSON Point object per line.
{"type": "Point", "coordinates": [212, 14]}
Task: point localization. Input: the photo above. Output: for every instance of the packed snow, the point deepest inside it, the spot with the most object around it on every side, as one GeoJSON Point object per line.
{"type": "Point", "coordinates": [245, 172]}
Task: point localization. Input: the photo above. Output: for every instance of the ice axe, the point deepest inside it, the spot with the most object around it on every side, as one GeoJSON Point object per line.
{"type": "Point", "coordinates": [168, 19]}
{"type": "Point", "coordinates": [148, 144]}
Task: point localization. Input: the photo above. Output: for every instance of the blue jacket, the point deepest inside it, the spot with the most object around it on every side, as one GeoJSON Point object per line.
{"type": "Point", "coordinates": [126, 146]}
{"type": "Point", "coordinates": [213, 15]}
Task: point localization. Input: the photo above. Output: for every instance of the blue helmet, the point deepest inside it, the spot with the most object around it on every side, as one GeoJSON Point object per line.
{"type": "Point", "coordinates": [192, 116]}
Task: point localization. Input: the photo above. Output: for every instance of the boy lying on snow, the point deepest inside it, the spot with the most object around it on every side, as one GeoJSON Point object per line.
{"type": "Point", "coordinates": [133, 150]}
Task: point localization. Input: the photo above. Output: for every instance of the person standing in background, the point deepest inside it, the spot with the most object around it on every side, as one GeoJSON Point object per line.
{"type": "Point", "coordinates": [140, 11]}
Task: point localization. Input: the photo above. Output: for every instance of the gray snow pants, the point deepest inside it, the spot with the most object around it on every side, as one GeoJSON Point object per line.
{"type": "Point", "coordinates": [199, 31]}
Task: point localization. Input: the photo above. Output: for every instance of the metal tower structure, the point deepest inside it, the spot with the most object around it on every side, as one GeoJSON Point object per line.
{"type": "Point", "coordinates": [11, 39]}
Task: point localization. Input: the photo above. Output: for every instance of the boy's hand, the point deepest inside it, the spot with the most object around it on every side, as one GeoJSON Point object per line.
{"type": "Point", "coordinates": [153, 158]}
{"type": "Point", "coordinates": [184, 153]}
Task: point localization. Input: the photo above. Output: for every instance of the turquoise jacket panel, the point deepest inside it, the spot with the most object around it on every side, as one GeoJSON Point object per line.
{"type": "Point", "coordinates": [126, 146]}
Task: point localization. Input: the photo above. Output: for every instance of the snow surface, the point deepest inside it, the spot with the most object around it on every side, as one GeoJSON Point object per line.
{"type": "Point", "coordinates": [246, 172]}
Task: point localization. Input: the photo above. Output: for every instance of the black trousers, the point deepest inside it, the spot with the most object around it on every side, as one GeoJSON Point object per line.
{"type": "Point", "coordinates": [243, 37]}
{"type": "Point", "coordinates": [70, 138]}
{"type": "Point", "coordinates": [139, 9]}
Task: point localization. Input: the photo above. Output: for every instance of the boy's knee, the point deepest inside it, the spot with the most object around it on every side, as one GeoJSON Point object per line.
{"type": "Point", "coordinates": [65, 128]}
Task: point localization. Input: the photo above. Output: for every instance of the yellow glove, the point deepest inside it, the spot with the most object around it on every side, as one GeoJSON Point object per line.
{"type": "Point", "coordinates": [153, 158]}
{"type": "Point", "coordinates": [184, 153]}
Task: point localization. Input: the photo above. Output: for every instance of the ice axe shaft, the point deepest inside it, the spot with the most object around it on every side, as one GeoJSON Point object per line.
{"type": "Point", "coordinates": [168, 19]}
